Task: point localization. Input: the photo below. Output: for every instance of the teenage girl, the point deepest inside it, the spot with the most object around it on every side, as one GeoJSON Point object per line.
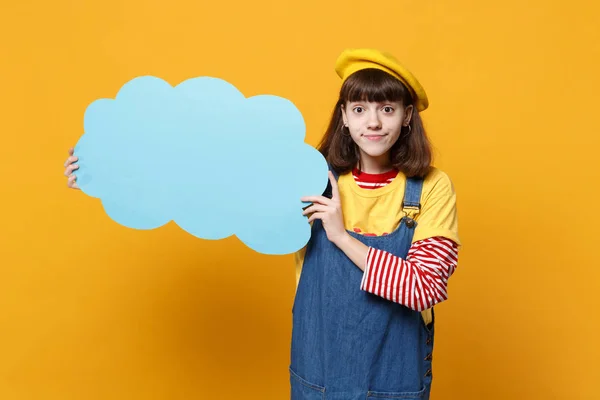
{"type": "Point", "coordinates": [382, 248]}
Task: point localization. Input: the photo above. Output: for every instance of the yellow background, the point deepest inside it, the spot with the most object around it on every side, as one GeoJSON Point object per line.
{"type": "Point", "coordinates": [92, 310]}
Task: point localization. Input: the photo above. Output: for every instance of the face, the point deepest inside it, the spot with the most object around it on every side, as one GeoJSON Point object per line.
{"type": "Point", "coordinates": [375, 127]}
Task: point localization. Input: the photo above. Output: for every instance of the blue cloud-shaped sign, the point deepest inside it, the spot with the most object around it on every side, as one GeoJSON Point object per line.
{"type": "Point", "coordinates": [205, 156]}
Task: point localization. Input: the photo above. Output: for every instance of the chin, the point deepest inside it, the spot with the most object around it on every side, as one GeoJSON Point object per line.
{"type": "Point", "coordinates": [374, 151]}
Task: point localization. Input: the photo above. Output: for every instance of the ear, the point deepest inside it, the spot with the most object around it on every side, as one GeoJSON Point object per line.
{"type": "Point", "coordinates": [408, 111]}
{"type": "Point", "coordinates": [344, 117]}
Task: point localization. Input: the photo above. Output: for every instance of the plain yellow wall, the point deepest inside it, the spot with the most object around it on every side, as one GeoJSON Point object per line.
{"type": "Point", "coordinates": [93, 310]}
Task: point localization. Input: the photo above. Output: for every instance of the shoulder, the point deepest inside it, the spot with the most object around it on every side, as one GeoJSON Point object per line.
{"type": "Point", "coordinates": [437, 183]}
{"type": "Point", "coordinates": [439, 214]}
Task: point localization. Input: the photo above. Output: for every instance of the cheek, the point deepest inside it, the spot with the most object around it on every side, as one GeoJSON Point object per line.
{"type": "Point", "coordinates": [395, 126]}
{"type": "Point", "coordinates": [352, 119]}
{"type": "Point", "coordinates": [395, 132]}
{"type": "Point", "coordinates": [354, 133]}
{"type": "Point", "coordinates": [354, 125]}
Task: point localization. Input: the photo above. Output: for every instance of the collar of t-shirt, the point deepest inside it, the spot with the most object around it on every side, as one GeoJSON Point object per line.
{"type": "Point", "coordinates": [373, 181]}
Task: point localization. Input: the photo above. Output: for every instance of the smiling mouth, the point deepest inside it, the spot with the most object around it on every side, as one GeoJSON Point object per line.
{"type": "Point", "coordinates": [374, 137]}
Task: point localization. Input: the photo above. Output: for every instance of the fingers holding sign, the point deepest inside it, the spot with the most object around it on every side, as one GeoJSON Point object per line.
{"type": "Point", "coordinates": [70, 166]}
{"type": "Point", "coordinates": [329, 211]}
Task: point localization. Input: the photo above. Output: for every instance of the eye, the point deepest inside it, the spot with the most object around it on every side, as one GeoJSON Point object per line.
{"type": "Point", "coordinates": [388, 109]}
{"type": "Point", "coordinates": [358, 109]}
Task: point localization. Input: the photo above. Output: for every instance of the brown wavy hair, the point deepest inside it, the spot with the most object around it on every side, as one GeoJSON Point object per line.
{"type": "Point", "coordinates": [411, 154]}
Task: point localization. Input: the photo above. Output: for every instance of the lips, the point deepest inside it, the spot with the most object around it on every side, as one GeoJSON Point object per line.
{"type": "Point", "coordinates": [374, 137]}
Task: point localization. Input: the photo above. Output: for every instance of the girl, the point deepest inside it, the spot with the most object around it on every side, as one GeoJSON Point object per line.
{"type": "Point", "coordinates": [367, 281]}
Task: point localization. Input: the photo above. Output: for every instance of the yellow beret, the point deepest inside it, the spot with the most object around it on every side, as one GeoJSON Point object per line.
{"type": "Point", "coordinates": [352, 60]}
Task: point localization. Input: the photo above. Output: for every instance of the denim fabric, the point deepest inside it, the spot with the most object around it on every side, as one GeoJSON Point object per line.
{"type": "Point", "coordinates": [348, 344]}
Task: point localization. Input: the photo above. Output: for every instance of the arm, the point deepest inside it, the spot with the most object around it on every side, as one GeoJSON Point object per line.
{"type": "Point", "coordinates": [419, 282]}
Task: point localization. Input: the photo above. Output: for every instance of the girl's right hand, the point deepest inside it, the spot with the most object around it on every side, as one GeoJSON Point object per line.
{"type": "Point", "coordinates": [69, 168]}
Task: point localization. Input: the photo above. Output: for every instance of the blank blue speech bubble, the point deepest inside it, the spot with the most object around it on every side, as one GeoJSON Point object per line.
{"type": "Point", "coordinates": [203, 155]}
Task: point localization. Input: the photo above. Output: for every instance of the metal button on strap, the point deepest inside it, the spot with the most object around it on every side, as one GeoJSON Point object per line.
{"type": "Point", "coordinates": [410, 222]}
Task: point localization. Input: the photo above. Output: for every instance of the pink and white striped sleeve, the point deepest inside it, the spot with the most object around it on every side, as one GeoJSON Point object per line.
{"type": "Point", "coordinates": [420, 281]}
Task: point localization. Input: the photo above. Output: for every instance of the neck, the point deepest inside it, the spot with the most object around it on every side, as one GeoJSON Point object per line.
{"type": "Point", "coordinates": [375, 165]}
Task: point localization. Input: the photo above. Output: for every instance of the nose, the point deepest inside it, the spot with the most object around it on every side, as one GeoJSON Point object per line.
{"type": "Point", "coordinates": [373, 121]}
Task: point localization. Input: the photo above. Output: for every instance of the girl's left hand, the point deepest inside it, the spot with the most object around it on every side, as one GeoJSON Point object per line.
{"type": "Point", "coordinates": [329, 211]}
